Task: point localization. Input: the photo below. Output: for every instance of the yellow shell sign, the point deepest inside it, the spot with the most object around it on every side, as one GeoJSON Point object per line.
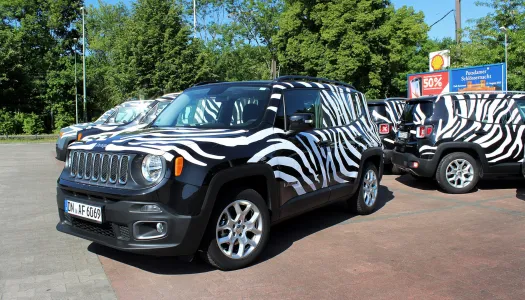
{"type": "Point", "coordinates": [437, 62]}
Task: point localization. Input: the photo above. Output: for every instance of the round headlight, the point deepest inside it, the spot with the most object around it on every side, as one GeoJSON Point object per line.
{"type": "Point", "coordinates": [152, 167]}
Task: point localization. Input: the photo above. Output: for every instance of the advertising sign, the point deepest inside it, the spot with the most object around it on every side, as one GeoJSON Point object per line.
{"type": "Point", "coordinates": [439, 60]}
{"type": "Point", "coordinates": [427, 84]}
{"type": "Point", "coordinates": [480, 78]}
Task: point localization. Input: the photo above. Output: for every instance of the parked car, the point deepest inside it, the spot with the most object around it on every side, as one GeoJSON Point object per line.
{"type": "Point", "coordinates": [386, 113]}
{"type": "Point", "coordinates": [140, 121]}
{"type": "Point", "coordinates": [215, 185]}
{"type": "Point", "coordinates": [120, 114]}
{"type": "Point", "coordinates": [458, 138]}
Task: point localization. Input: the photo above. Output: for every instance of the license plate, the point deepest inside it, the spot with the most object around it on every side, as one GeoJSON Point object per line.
{"type": "Point", "coordinates": [403, 135]}
{"type": "Point", "coordinates": [93, 213]}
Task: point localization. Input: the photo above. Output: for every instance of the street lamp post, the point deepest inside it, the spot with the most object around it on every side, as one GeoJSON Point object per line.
{"type": "Point", "coordinates": [84, 60]}
{"type": "Point", "coordinates": [76, 88]}
{"type": "Point", "coordinates": [194, 19]}
{"type": "Point", "coordinates": [505, 30]}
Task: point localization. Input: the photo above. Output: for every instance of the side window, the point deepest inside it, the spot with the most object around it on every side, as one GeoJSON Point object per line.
{"type": "Point", "coordinates": [298, 101]}
{"type": "Point", "coordinates": [488, 111]}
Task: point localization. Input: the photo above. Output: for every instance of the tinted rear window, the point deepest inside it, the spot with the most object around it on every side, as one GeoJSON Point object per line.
{"type": "Point", "coordinates": [412, 108]}
{"type": "Point", "coordinates": [378, 109]}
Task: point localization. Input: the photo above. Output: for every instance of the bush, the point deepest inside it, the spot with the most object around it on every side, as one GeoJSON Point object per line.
{"type": "Point", "coordinates": [18, 122]}
{"type": "Point", "coordinates": [33, 124]}
{"type": "Point", "coordinates": [7, 124]}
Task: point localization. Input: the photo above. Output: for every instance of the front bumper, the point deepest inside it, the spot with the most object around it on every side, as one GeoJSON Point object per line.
{"type": "Point", "coordinates": [426, 167]}
{"type": "Point", "coordinates": [182, 237]}
{"type": "Point", "coordinates": [60, 153]}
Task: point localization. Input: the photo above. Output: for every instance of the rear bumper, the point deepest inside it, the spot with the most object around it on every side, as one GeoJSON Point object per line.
{"type": "Point", "coordinates": [117, 231]}
{"type": "Point", "coordinates": [426, 167]}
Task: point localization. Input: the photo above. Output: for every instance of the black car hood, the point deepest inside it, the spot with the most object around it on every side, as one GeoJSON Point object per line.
{"type": "Point", "coordinates": [168, 142]}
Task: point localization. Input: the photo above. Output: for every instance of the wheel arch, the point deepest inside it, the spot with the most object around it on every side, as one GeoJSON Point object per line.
{"type": "Point", "coordinates": [373, 155]}
{"type": "Point", "coordinates": [471, 149]}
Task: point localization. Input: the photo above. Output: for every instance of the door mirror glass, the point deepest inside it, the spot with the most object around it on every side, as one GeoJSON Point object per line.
{"type": "Point", "coordinates": [302, 122]}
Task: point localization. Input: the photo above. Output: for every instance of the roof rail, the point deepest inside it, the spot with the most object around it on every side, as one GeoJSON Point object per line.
{"type": "Point", "coordinates": [206, 82]}
{"type": "Point", "coordinates": [312, 79]}
{"type": "Point", "coordinates": [479, 92]}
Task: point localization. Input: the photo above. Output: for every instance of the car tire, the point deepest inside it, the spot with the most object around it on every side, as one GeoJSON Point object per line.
{"type": "Point", "coordinates": [457, 173]}
{"type": "Point", "coordinates": [228, 255]}
{"type": "Point", "coordinates": [364, 201]}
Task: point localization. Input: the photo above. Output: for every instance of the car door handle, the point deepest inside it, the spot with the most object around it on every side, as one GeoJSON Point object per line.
{"type": "Point", "coordinates": [326, 143]}
{"type": "Point", "coordinates": [481, 132]}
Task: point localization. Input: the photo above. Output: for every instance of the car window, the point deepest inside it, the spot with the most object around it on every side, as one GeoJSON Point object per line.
{"type": "Point", "coordinates": [489, 111]}
{"type": "Point", "coordinates": [298, 101]}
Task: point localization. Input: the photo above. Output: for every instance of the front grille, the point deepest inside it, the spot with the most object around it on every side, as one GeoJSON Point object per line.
{"type": "Point", "coordinates": [101, 229]}
{"type": "Point", "coordinates": [99, 167]}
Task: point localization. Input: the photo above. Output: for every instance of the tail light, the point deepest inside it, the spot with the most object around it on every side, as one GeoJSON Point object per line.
{"type": "Point", "coordinates": [424, 131]}
{"type": "Point", "coordinates": [384, 128]}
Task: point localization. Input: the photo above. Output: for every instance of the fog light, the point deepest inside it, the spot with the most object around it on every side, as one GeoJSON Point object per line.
{"type": "Point", "coordinates": [160, 228]}
{"type": "Point", "coordinates": [150, 208]}
{"type": "Point", "coordinates": [414, 165]}
{"type": "Point", "coordinates": [148, 230]}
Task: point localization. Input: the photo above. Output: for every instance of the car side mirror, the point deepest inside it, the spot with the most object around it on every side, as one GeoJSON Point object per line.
{"type": "Point", "coordinates": [302, 122]}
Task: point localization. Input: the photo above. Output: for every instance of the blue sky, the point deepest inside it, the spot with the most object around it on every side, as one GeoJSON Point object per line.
{"type": "Point", "coordinates": [433, 10]}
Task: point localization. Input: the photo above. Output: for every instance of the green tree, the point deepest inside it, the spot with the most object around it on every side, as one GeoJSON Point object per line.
{"type": "Point", "coordinates": [485, 40]}
{"type": "Point", "coordinates": [368, 43]}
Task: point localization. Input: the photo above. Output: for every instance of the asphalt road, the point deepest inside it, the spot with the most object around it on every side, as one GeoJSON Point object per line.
{"type": "Point", "coordinates": [420, 244]}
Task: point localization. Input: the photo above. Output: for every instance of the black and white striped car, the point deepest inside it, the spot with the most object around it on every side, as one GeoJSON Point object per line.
{"type": "Point", "coordinates": [221, 164]}
{"type": "Point", "coordinates": [458, 138]}
{"type": "Point", "coordinates": [386, 113]}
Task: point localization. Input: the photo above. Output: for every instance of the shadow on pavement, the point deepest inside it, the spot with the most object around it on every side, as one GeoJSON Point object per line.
{"type": "Point", "coordinates": [430, 184]}
{"type": "Point", "coordinates": [282, 237]}
{"type": "Point", "coordinates": [288, 232]}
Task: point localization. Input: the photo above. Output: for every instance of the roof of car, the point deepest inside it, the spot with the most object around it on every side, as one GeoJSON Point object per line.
{"type": "Point", "coordinates": [382, 101]}
{"type": "Point", "coordinates": [426, 98]}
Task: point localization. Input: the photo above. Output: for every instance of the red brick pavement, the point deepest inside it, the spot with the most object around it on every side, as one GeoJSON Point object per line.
{"type": "Point", "coordinates": [421, 244]}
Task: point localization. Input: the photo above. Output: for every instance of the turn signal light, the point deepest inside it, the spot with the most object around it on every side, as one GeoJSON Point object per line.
{"type": "Point", "coordinates": [61, 134]}
{"type": "Point", "coordinates": [179, 163]}
{"type": "Point", "coordinates": [424, 131]}
{"type": "Point", "coordinates": [79, 136]}
{"type": "Point", "coordinates": [384, 128]}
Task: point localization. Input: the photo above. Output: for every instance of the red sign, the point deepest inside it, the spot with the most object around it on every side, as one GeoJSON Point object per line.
{"type": "Point", "coordinates": [427, 84]}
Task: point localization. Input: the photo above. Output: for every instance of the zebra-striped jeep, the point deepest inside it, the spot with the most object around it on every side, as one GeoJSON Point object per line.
{"type": "Point", "coordinates": [460, 137]}
{"type": "Point", "coordinates": [219, 165]}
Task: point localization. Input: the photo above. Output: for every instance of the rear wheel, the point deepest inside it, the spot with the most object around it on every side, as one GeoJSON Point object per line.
{"type": "Point", "coordinates": [364, 201]}
{"type": "Point", "coordinates": [238, 231]}
{"type": "Point", "coordinates": [457, 173]}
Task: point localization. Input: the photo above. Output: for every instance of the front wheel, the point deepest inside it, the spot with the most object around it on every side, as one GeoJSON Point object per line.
{"type": "Point", "coordinates": [364, 201]}
{"type": "Point", "coordinates": [238, 231]}
{"type": "Point", "coordinates": [457, 173]}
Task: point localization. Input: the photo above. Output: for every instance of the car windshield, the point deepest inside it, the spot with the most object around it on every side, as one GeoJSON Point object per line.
{"type": "Point", "coordinates": [217, 106]}
{"type": "Point", "coordinates": [105, 116]}
{"type": "Point", "coordinates": [126, 114]}
{"type": "Point", "coordinates": [154, 112]}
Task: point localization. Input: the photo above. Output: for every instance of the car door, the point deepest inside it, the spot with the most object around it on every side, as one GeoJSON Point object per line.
{"type": "Point", "coordinates": [304, 185]}
{"type": "Point", "coordinates": [496, 131]}
{"type": "Point", "coordinates": [349, 129]}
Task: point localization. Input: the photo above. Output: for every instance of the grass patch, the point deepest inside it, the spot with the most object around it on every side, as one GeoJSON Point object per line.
{"type": "Point", "coordinates": [27, 141]}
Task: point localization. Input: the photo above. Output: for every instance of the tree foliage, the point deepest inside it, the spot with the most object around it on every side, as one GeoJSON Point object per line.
{"type": "Point", "coordinates": [147, 48]}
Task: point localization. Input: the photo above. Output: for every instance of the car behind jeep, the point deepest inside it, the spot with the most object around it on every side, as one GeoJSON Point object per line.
{"type": "Point", "coordinates": [220, 165]}
{"type": "Point", "coordinates": [458, 138]}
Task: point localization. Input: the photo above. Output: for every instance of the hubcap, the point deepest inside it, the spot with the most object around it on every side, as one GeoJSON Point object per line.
{"type": "Point", "coordinates": [370, 188]}
{"type": "Point", "coordinates": [459, 173]}
{"type": "Point", "coordinates": [239, 229]}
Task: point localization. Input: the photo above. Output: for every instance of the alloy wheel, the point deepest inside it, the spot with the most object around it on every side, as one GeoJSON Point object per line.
{"type": "Point", "coordinates": [370, 188]}
{"type": "Point", "coordinates": [239, 229]}
{"type": "Point", "coordinates": [459, 173]}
